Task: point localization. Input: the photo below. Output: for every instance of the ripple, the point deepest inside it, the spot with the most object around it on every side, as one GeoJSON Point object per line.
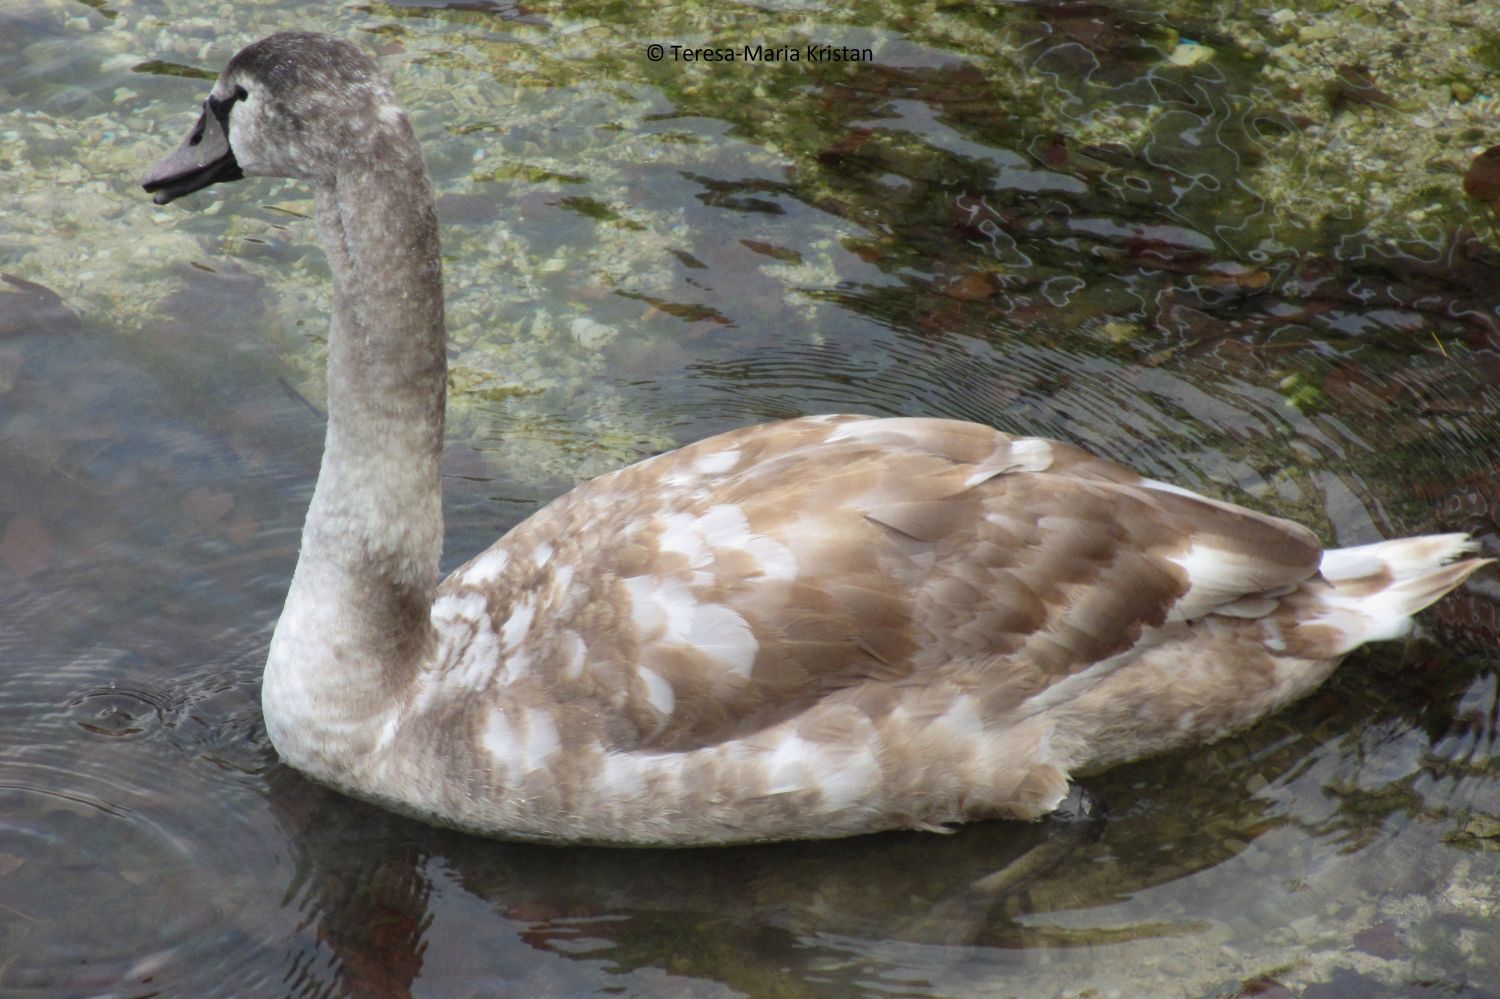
{"type": "Point", "coordinates": [135, 839]}
{"type": "Point", "coordinates": [121, 710]}
{"type": "Point", "coordinates": [105, 895]}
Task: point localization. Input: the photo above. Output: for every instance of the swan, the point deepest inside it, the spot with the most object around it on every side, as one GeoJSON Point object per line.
{"type": "Point", "coordinates": [814, 628]}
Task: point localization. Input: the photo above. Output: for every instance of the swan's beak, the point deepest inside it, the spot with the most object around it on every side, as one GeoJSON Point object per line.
{"type": "Point", "coordinates": [204, 158]}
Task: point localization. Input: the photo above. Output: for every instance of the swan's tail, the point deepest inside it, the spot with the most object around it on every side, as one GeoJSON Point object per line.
{"type": "Point", "coordinates": [1372, 591]}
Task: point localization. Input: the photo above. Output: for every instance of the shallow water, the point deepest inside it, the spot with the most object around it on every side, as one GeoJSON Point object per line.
{"type": "Point", "coordinates": [1029, 216]}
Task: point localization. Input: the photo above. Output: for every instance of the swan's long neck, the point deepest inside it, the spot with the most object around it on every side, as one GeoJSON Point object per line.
{"type": "Point", "coordinates": [356, 623]}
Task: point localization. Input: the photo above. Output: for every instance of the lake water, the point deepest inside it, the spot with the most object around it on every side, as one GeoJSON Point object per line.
{"type": "Point", "coordinates": [1228, 246]}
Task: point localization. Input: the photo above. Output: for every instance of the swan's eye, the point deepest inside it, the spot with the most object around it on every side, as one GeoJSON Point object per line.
{"type": "Point", "coordinates": [220, 107]}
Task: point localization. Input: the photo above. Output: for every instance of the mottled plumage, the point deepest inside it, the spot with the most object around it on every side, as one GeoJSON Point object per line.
{"type": "Point", "coordinates": [820, 627]}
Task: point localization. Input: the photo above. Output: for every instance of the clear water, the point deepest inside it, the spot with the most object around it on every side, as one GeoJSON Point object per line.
{"type": "Point", "coordinates": [1023, 215]}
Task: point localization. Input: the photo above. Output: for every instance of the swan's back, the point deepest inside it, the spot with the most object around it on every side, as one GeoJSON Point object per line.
{"type": "Point", "coordinates": [737, 581]}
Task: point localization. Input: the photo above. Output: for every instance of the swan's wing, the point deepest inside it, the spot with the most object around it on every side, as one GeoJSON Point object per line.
{"type": "Point", "coordinates": [723, 587]}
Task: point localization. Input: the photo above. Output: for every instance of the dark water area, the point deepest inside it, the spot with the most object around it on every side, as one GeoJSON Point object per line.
{"type": "Point", "coordinates": [1234, 249]}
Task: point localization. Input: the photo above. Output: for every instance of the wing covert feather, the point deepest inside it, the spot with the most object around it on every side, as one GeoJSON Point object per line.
{"type": "Point", "coordinates": [759, 571]}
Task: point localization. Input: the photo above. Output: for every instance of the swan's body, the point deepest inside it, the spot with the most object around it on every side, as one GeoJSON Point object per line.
{"type": "Point", "coordinates": [815, 628]}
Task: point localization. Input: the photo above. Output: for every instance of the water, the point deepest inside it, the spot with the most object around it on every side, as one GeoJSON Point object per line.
{"type": "Point", "coordinates": [1245, 274]}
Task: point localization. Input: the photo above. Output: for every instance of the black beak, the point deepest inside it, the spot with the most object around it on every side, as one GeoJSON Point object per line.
{"type": "Point", "coordinates": [204, 158]}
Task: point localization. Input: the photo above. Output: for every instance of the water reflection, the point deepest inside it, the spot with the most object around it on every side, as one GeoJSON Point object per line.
{"type": "Point", "coordinates": [799, 915]}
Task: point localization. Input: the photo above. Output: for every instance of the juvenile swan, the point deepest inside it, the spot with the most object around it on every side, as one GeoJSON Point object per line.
{"type": "Point", "coordinates": [815, 628]}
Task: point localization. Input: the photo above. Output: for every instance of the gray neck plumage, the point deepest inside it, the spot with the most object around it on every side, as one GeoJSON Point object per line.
{"type": "Point", "coordinates": [368, 567]}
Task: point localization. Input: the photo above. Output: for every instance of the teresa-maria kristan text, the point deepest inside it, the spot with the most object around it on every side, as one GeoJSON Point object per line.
{"type": "Point", "coordinates": [767, 53]}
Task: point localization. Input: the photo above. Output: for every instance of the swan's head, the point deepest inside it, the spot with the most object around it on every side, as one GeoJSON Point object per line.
{"type": "Point", "coordinates": [294, 104]}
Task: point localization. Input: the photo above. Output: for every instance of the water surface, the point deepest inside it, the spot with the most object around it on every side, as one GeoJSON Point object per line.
{"type": "Point", "coordinates": [1251, 270]}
